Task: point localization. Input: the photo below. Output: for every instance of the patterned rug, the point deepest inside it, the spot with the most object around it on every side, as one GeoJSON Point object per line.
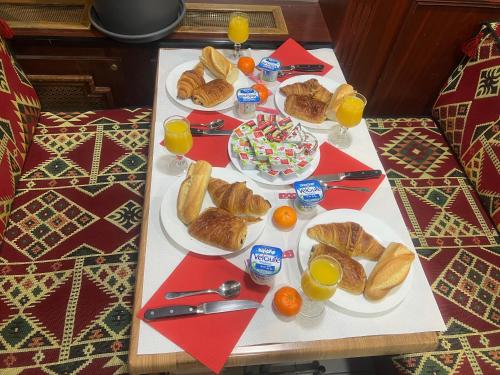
{"type": "Point", "coordinates": [456, 241]}
{"type": "Point", "coordinates": [70, 249]}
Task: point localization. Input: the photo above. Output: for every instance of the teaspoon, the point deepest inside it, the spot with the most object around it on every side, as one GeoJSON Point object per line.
{"type": "Point", "coordinates": [227, 289]}
{"type": "Point", "coordinates": [212, 125]}
{"type": "Point", "coordinates": [355, 188]}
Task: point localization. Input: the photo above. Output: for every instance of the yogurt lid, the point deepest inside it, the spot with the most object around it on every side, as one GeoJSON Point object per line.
{"type": "Point", "coordinates": [265, 260]}
{"type": "Point", "coordinates": [269, 63]}
{"type": "Point", "coordinates": [247, 95]}
{"type": "Point", "coordinates": [309, 191]}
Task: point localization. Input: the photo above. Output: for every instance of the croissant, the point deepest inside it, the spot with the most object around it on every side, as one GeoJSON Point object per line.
{"type": "Point", "coordinates": [219, 228]}
{"type": "Point", "coordinates": [237, 198]}
{"type": "Point", "coordinates": [323, 95]}
{"type": "Point", "coordinates": [353, 274]}
{"type": "Point", "coordinates": [350, 238]}
{"type": "Point", "coordinates": [212, 93]}
{"type": "Point", "coordinates": [190, 80]}
{"type": "Point", "coordinates": [308, 87]}
{"type": "Point", "coordinates": [305, 108]}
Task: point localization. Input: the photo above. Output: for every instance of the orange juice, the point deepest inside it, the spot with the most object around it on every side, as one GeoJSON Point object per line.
{"type": "Point", "coordinates": [177, 139]}
{"type": "Point", "coordinates": [320, 281]}
{"type": "Point", "coordinates": [350, 111]}
{"type": "Point", "coordinates": [237, 30]}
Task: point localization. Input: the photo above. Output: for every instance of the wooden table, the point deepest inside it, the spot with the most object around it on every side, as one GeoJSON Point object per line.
{"type": "Point", "coordinates": [180, 362]}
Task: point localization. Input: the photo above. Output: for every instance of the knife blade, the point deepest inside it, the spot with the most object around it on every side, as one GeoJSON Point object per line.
{"type": "Point", "coordinates": [197, 132]}
{"type": "Point", "coordinates": [204, 308]}
{"type": "Point", "coordinates": [356, 175]}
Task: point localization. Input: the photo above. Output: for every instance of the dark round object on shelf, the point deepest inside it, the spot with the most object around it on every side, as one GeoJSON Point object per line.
{"type": "Point", "coordinates": [137, 17]}
{"type": "Point", "coordinates": [140, 38]}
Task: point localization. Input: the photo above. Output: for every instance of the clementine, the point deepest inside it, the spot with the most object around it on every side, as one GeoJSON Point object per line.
{"type": "Point", "coordinates": [262, 90]}
{"type": "Point", "coordinates": [246, 64]}
{"type": "Point", "coordinates": [287, 301]}
{"type": "Point", "coordinates": [285, 217]}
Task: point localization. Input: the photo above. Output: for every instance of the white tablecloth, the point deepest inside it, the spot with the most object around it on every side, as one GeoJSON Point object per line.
{"type": "Point", "coordinates": [417, 313]}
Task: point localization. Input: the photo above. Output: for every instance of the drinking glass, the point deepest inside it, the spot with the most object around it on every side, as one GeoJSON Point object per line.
{"type": "Point", "coordinates": [178, 140]}
{"type": "Point", "coordinates": [349, 114]}
{"type": "Point", "coordinates": [319, 283]}
{"type": "Point", "coordinates": [237, 31]}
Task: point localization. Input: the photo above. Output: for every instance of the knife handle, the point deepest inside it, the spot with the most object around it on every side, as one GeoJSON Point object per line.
{"type": "Point", "coordinates": [170, 311]}
{"type": "Point", "coordinates": [363, 175]}
{"type": "Point", "coordinates": [309, 67]}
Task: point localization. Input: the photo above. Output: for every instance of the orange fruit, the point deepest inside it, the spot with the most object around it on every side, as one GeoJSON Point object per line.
{"type": "Point", "coordinates": [285, 217]}
{"type": "Point", "coordinates": [246, 65]}
{"type": "Point", "coordinates": [262, 90]}
{"type": "Point", "coordinates": [287, 301]}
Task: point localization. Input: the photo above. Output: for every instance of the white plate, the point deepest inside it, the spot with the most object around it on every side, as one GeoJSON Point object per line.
{"type": "Point", "coordinates": [178, 231]}
{"type": "Point", "coordinates": [382, 233]}
{"type": "Point", "coordinates": [278, 181]}
{"type": "Point", "coordinates": [176, 73]}
{"type": "Point", "coordinates": [327, 83]}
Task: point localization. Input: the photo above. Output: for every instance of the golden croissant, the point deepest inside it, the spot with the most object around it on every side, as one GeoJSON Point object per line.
{"type": "Point", "coordinates": [350, 238]}
{"type": "Point", "coordinates": [305, 108]}
{"type": "Point", "coordinates": [308, 87]}
{"type": "Point", "coordinates": [237, 198]}
{"type": "Point", "coordinates": [212, 93]}
{"type": "Point", "coordinates": [219, 228]}
{"type": "Point", "coordinates": [189, 81]}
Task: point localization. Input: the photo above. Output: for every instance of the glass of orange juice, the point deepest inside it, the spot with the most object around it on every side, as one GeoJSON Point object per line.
{"type": "Point", "coordinates": [319, 283]}
{"type": "Point", "coordinates": [178, 140]}
{"type": "Point", "coordinates": [349, 114]}
{"type": "Point", "coordinates": [238, 31]}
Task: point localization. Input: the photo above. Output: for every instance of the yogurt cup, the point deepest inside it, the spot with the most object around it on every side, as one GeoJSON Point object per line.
{"type": "Point", "coordinates": [309, 194]}
{"type": "Point", "coordinates": [269, 68]}
{"type": "Point", "coordinates": [264, 263]}
{"type": "Point", "coordinates": [246, 103]}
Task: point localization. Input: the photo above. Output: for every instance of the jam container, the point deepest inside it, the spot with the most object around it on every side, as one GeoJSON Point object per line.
{"type": "Point", "coordinates": [264, 263]}
{"type": "Point", "coordinates": [246, 103]}
{"type": "Point", "coordinates": [269, 69]}
{"type": "Point", "coordinates": [309, 194]}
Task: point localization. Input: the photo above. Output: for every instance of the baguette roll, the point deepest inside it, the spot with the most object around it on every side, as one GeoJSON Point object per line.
{"type": "Point", "coordinates": [390, 271]}
{"type": "Point", "coordinates": [343, 90]}
{"type": "Point", "coordinates": [192, 191]}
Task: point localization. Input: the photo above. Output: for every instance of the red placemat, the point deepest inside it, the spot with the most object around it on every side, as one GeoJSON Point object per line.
{"type": "Point", "coordinates": [291, 52]}
{"type": "Point", "coordinates": [334, 160]}
{"type": "Point", "coordinates": [208, 338]}
{"type": "Point", "coordinates": [211, 148]}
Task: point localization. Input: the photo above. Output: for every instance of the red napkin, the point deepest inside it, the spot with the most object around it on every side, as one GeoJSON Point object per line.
{"type": "Point", "coordinates": [334, 160]}
{"type": "Point", "coordinates": [291, 52]}
{"type": "Point", "coordinates": [208, 338]}
{"type": "Point", "coordinates": [211, 148]}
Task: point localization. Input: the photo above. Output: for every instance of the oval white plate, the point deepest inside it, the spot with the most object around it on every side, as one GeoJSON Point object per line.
{"type": "Point", "coordinates": [176, 73]}
{"type": "Point", "coordinates": [178, 231]}
{"type": "Point", "coordinates": [382, 233]}
{"type": "Point", "coordinates": [278, 181]}
{"type": "Point", "coordinates": [327, 83]}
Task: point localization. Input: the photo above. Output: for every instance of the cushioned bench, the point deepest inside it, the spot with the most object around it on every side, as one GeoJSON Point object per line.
{"type": "Point", "coordinates": [71, 195]}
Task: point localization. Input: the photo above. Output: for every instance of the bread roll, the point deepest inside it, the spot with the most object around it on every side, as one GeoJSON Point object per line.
{"type": "Point", "coordinates": [341, 91]}
{"type": "Point", "coordinates": [218, 65]}
{"type": "Point", "coordinates": [390, 271]}
{"type": "Point", "coordinates": [192, 191]}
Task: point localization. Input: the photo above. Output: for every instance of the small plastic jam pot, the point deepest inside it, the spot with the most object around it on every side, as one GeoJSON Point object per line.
{"type": "Point", "coordinates": [246, 103]}
{"type": "Point", "coordinates": [269, 69]}
{"type": "Point", "coordinates": [309, 194]}
{"type": "Point", "coordinates": [264, 263]}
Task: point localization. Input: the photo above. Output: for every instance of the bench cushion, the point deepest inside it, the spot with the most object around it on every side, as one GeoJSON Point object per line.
{"type": "Point", "coordinates": [19, 111]}
{"type": "Point", "coordinates": [69, 253]}
{"type": "Point", "coordinates": [456, 241]}
{"type": "Point", "coordinates": [468, 112]}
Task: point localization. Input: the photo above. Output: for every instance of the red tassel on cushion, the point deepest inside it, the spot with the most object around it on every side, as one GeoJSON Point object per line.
{"type": "Point", "coordinates": [5, 30]}
{"type": "Point", "coordinates": [470, 48]}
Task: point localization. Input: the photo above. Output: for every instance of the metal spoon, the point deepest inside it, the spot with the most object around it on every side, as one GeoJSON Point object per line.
{"type": "Point", "coordinates": [212, 125]}
{"type": "Point", "coordinates": [227, 289]}
{"type": "Point", "coordinates": [355, 188]}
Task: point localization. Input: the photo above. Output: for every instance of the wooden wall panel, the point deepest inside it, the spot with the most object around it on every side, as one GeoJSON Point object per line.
{"type": "Point", "coordinates": [426, 52]}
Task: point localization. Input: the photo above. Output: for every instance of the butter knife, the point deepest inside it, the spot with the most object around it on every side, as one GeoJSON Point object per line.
{"type": "Point", "coordinates": [356, 175]}
{"type": "Point", "coordinates": [204, 308]}
{"type": "Point", "coordinates": [197, 132]}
